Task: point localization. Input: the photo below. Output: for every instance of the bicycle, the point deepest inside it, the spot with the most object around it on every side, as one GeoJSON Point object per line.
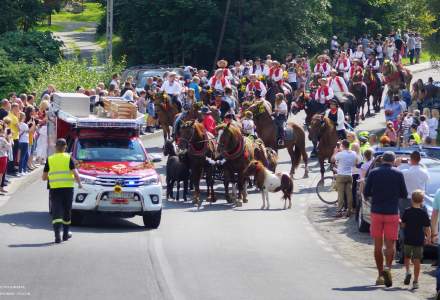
{"type": "Point", "coordinates": [326, 190]}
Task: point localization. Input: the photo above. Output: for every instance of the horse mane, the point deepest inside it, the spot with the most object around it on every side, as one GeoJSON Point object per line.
{"type": "Point", "coordinates": [199, 129]}
{"type": "Point", "coordinates": [234, 130]}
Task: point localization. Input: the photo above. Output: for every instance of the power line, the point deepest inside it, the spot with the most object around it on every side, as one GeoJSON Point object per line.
{"type": "Point", "coordinates": [222, 33]}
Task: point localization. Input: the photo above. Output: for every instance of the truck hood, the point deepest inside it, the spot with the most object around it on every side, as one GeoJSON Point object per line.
{"type": "Point", "coordinates": [140, 169]}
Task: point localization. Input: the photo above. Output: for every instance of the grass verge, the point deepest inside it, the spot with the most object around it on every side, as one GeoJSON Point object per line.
{"type": "Point", "coordinates": [425, 56]}
{"type": "Point", "coordinates": [101, 41]}
{"type": "Point", "coordinates": [81, 29]}
{"type": "Point", "coordinates": [52, 28]}
{"type": "Point", "coordinates": [92, 13]}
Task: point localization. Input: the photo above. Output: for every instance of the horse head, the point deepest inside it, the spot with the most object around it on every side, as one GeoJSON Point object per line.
{"type": "Point", "coordinates": [253, 167]}
{"type": "Point", "coordinates": [319, 125]}
{"type": "Point", "coordinates": [258, 109]}
{"type": "Point", "coordinates": [169, 148]}
{"type": "Point", "coordinates": [228, 137]}
{"type": "Point", "coordinates": [186, 133]}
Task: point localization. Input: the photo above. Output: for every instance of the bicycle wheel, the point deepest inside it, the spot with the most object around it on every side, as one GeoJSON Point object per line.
{"type": "Point", "coordinates": [326, 190]}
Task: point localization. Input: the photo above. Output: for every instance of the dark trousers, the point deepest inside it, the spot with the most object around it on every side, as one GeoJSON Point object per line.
{"type": "Point", "coordinates": [11, 164]}
{"type": "Point", "coordinates": [342, 134]}
{"type": "Point", "coordinates": [411, 55]}
{"type": "Point", "coordinates": [24, 157]}
{"type": "Point", "coordinates": [61, 200]}
{"type": "Point", "coordinates": [280, 120]}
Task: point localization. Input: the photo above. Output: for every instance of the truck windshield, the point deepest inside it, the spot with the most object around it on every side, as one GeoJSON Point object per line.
{"type": "Point", "coordinates": [109, 150]}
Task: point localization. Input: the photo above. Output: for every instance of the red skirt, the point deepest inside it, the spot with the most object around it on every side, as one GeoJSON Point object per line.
{"type": "Point", "coordinates": [3, 164]}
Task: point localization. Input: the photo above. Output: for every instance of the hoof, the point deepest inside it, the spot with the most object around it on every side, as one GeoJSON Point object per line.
{"type": "Point", "coordinates": [245, 200]}
{"type": "Point", "coordinates": [262, 207]}
{"type": "Point", "coordinates": [267, 208]}
{"type": "Point", "coordinates": [239, 204]}
{"type": "Point", "coordinates": [195, 201]}
{"type": "Point", "coordinates": [290, 206]}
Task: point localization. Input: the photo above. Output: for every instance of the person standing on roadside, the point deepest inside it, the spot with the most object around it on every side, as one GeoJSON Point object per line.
{"type": "Point", "coordinates": [385, 185]}
{"type": "Point", "coordinates": [61, 173]}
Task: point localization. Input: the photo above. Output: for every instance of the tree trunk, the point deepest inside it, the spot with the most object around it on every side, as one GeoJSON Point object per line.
{"type": "Point", "coordinates": [49, 19]}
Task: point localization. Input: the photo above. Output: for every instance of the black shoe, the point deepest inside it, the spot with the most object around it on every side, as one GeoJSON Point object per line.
{"type": "Point", "coordinates": [387, 278]}
{"type": "Point", "coordinates": [407, 279]}
{"type": "Point", "coordinates": [66, 233]}
{"type": "Point", "coordinates": [56, 229]}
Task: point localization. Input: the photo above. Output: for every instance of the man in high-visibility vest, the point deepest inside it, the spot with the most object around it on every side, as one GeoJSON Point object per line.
{"type": "Point", "coordinates": [61, 173]}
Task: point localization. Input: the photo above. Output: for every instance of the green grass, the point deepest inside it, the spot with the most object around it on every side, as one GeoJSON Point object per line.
{"type": "Point", "coordinates": [425, 56]}
{"type": "Point", "coordinates": [74, 47]}
{"type": "Point", "coordinates": [92, 13]}
{"type": "Point", "coordinates": [45, 27]}
{"type": "Point", "coordinates": [101, 41]}
{"type": "Point", "coordinates": [81, 29]}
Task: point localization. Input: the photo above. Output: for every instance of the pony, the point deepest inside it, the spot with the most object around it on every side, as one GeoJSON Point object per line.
{"type": "Point", "coordinates": [395, 75]}
{"type": "Point", "coordinates": [266, 130]}
{"type": "Point", "coordinates": [199, 145]}
{"type": "Point", "coordinates": [166, 112]}
{"type": "Point", "coordinates": [237, 152]}
{"type": "Point", "coordinates": [177, 170]}
{"type": "Point", "coordinates": [323, 132]}
{"type": "Point", "coordinates": [268, 181]}
{"type": "Point", "coordinates": [374, 88]}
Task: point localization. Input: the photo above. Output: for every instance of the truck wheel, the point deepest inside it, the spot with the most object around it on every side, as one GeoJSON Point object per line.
{"type": "Point", "coordinates": [152, 219]}
{"type": "Point", "coordinates": [77, 218]}
{"type": "Point", "coordinates": [362, 225]}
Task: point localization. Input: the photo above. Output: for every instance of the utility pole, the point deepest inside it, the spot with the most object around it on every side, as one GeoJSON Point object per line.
{"type": "Point", "coordinates": [222, 33]}
{"type": "Point", "coordinates": [109, 31]}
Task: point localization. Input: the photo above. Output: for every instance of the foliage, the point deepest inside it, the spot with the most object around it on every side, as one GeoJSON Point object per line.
{"type": "Point", "coordinates": [93, 12]}
{"type": "Point", "coordinates": [67, 75]}
{"type": "Point", "coordinates": [31, 47]}
{"type": "Point", "coordinates": [52, 28]}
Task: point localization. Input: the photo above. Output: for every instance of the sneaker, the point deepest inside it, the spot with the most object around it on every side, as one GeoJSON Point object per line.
{"type": "Point", "coordinates": [415, 285]}
{"type": "Point", "coordinates": [388, 279]}
{"type": "Point", "coordinates": [407, 279]}
{"type": "Point", "coordinates": [380, 280]}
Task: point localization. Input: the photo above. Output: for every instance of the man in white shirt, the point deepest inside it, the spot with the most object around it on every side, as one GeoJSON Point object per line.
{"type": "Point", "coordinates": [255, 85]}
{"type": "Point", "coordinates": [259, 69]}
{"type": "Point", "coordinates": [345, 160]}
{"type": "Point", "coordinates": [337, 84]}
{"type": "Point", "coordinates": [358, 54]}
{"type": "Point", "coordinates": [324, 93]}
{"type": "Point", "coordinates": [218, 82]}
{"type": "Point", "coordinates": [173, 88]}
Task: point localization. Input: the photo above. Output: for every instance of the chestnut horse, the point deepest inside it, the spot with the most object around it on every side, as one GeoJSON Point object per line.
{"type": "Point", "coordinates": [237, 151]}
{"type": "Point", "coordinates": [200, 145]}
{"type": "Point", "coordinates": [166, 112]}
{"type": "Point", "coordinates": [267, 131]}
{"type": "Point", "coordinates": [374, 88]}
{"type": "Point", "coordinates": [395, 75]}
{"type": "Point", "coordinates": [323, 132]}
{"type": "Point", "coordinates": [267, 156]}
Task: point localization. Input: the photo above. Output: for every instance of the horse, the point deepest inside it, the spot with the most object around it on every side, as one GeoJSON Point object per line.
{"type": "Point", "coordinates": [166, 112]}
{"type": "Point", "coordinates": [374, 88]}
{"type": "Point", "coordinates": [199, 145]}
{"type": "Point", "coordinates": [349, 106]}
{"type": "Point", "coordinates": [395, 75]}
{"type": "Point", "coordinates": [268, 181]}
{"type": "Point", "coordinates": [359, 89]}
{"type": "Point", "coordinates": [274, 88]}
{"type": "Point", "coordinates": [177, 170]}
{"type": "Point", "coordinates": [267, 156]}
{"type": "Point", "coordinates": [310, 106]}
{"type": "Point", "coordinates": [323, 132]}
{"type": "Point", "coordinates": [237, 152]}
{"type": "Point", "coordinates": [267, 131]}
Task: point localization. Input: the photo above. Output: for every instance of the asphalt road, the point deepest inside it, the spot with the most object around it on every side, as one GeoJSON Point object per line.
{"type": "Point", "coordinates": [217, 252]}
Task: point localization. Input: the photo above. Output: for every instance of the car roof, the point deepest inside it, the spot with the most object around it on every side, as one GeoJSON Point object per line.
{"type": "Point", "coordinates": [399, 150]}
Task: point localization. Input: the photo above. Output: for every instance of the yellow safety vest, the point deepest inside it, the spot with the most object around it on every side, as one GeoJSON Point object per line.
{"type": "Point", "coordinates": [60, 175]}
{"type": "Point", "coordinates": [417, 138]}
{"type": "Point", "coordinates": [364, 147]}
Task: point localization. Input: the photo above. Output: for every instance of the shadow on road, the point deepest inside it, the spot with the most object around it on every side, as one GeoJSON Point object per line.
{"type": "Point", "coordinates": [367, 288]}
{"type": "Point", "coordinates": [37, 245]}
{"type": "Point", "coordinates": [28, 219]}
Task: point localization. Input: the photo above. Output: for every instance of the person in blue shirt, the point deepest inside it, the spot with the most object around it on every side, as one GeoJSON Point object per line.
{"type": "Point", "coordinates": [194, 84]}
{"type": "Point", "coordinates": [393, 108]}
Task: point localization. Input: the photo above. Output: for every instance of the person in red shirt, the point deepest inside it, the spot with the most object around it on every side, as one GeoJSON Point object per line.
{"type": "Point", "coordinates": [208, 120]}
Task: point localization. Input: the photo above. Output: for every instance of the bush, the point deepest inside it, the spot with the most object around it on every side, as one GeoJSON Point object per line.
{"type": "Point", "coordinates": [31, 46]}
{"type": "Point", "coordinates": [67, 75]}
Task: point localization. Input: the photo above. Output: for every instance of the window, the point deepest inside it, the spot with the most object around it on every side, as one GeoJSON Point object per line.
{"type": "Point", "coordinates": [124, 150]}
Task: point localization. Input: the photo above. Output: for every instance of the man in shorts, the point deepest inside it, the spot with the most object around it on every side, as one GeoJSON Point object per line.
{"type": "Point", "coordinates": [385, 185]}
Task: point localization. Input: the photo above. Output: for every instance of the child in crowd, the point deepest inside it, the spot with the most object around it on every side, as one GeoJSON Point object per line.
{"type": "Point", "coordinates": [406, 126]}
{"type": "Point", "coordinates": [433, 125]}
{"type": "Point", "coordinates": [423, 128]}
{"type": "Point", "coordinates": [248, 125]}
{"type": "Point", "coordinates": [391, 133]}
{"type": "Point", "coordinates": [417, 232]}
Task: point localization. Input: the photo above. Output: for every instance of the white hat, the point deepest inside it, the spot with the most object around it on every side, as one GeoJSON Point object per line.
{"type": "Point", "coordinates": [335, 37]}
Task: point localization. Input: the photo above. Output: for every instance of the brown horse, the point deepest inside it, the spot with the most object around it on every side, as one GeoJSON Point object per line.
{"type": "Point", "coordinates": [166, 112]}
{"type": "Point", "coordinates": [268, 181]}
{"type": "Point", "coordinates": [200, 145]}
{"type": "Point", "coordinates": [395, 75]}
{"type": "Point", "coordinates": [374, 88]}
{"type": "Point", "coordinates": [237, 151]}
{"type": "Point", "coordinates": [266, 130]}
{"type": "Point", "coordinates": [323, 132]}
{"type": "Point", "coordinates": [267, 156]}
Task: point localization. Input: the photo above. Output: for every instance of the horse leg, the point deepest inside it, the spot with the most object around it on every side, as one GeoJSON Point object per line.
{"type": "Point", "coordinates": [290, 202]}
{"type": "Point", "coordinates": [292, 160]}
{"type": "Point", "coordinates": [185, 189]}
{"type": "Point", "coordinates": [264, 198]}
{"type": "Point", "coordinates": [244, 193]}
{"type": "Point", "coordinates": [240, 183]}
{"type": "Point", "coordinates": [306, 162]}
{"type": "Point", "coordinates": [178, 190]}
{"type": "Point", "coordinates": [196, 181]}
{"type": "Point", "coordinates": [321, 165]}
{"type": "Point", "coordinates": [368, 106]}
{"type": "Point", "coordinates": [210, 184]}
{"type": "Point", "coordinates": [226, 184]}
{"type": "Point", "coordinates": [267, 198]}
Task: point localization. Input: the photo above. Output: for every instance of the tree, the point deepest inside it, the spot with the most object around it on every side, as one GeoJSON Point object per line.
{"type": "Point", "coordinates": [51, 6]}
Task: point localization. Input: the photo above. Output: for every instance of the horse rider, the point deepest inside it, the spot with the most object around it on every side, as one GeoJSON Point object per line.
{"type": "Point", "coordinates": [207, 119]}
{"type": "Point", "coordinates": [230, 100]}
{"type": "Point", "coordinates": [324, 93]}
{"type": "Point", "coordinates": [248, 125]}
{"type": "Point", "coordinates": [276, 73]}
{"type": "Point", "coordinates": [372, 62]}
{"type": "Point", "coordinates": [356, 68]}
{"type": "Point", "coordinates": [343, 66]}
{"type": "Point", "coordinates": [359, 54]}
{"type": "Point", "coordinates": [280, 115]}
{"type": "Point", "coordinates": [337, 84]}
{"type": "Point", "coordinates": [173, 88]}
{"type": "Point", "coordinates": [322, 66]}
{"type": "Point", "coordinates": [255, 85]}
{"type": "Point", "coordinates": [336, 115]}
{"type": "Point", "coordinates": [259, 69]}
{"type": "Point", "coordinates": [223, 65]}
{"type": "Point", "coordinates": [218, 82]}
{"type": "Point", "coordinates": [188, 103]}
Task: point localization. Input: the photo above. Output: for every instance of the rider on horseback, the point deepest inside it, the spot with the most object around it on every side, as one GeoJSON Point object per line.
{"type": "Point", "coordinates": [188, 102]}
{"type": "Point", "coordinates": [248, 125]}
{"type": "Point", "coordinates": [324, 94]}
{"type": "Point", "coordinates": [173, 88]}
{"type": "Point", "coordinates": [336, 115]}
{"type": "Point", "coordinates": [337, 84]}
{"type": "Point", "coordinates": [255, 85]}
{"type": "Point", "coordinates": [280, 114]}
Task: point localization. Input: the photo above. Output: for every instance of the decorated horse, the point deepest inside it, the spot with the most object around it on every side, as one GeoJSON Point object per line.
{"type": "Point", "coordinates": [199, 145]}
{"type": "Point", "coordinates": [268, 181]}
{"type": "Point", "coordinates": [237, 152]}
{"type": "Point", "coordinates": [374, 88]}
{"type": "Point", "coordinates": [323, 132]}
{"type": "Point", "coordinates": [310, 106]}
{"type": "Point", "coordinates": [395, 75]}
{"type": "Point", "coordinates": [191, 115]}
{"type": "Point", "coordinates": [166, 112]}
{"type": "Point", "coordinates": [267, 131]}
{"type": "Point", "coordinates": [359, 89]}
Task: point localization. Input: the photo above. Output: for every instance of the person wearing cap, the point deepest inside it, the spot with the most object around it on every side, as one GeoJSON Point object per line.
{"type": "Point", "coordinates": [218, 82]}
{"type": "Point", "coordinates": [173, 88]}
{"type": "Point", "coordinates": [372, 62]}
{"type": "Point", "coordinates": [208, 120]}
{"type": "Point", "coordinates": [322, 67]}
{"type": "Point", "coordinates": [276, 73]}
{"type": "Point", "coordinates": [364, 141]}
{"type": "Point", "coordinates": [229, 118]}
{"type": "Point", "coordinates": [223, 65]}
{"type": "Point", "coordinates": [334, 45]}
{"type": "Point", "coordinates": [343, 65]}
{"type": "Point", "coordinates": [386, 186]}
{"type": "Point", "coordinates": [336, 115]}
{"type": "Point", "coordinates": [248, 125]}
{"type": "Point", "coordinates": [324, 93]}
{"type": "Point", "coordinates": [259, 69]}
{"type": "Point", "coordinates": [60, 172]}
{"type": "Point", "coordinates": [280, 113]}
{"type": "Point", "coordinates": [337, 84]}
{"type": "Point", "coordinates": [256, 85]}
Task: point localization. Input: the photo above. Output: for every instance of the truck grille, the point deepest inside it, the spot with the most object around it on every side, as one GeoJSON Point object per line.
{"type": "Point", "coordinates": [125, 181]}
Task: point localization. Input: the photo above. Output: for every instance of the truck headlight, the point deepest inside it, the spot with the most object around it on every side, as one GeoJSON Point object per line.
{"type": "Point", "coordinates": [85, 179]}
{"type": "Point", "coordinates": [151, 180]}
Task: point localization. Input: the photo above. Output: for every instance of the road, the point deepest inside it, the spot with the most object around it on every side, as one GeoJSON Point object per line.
{"type": "Point", "coordinates": [218, 252]}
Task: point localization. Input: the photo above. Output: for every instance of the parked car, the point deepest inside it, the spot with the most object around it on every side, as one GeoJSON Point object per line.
{"type": "Point", "coordinates": [363, 204]}
{"type": "Point", "coordinates": [141, 73]}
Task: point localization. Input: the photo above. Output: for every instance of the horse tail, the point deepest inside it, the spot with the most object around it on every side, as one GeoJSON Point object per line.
{"type": "Point", "coordinates": [286, 186]}
{"type": "Point", "coordinates": [300, 145]}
